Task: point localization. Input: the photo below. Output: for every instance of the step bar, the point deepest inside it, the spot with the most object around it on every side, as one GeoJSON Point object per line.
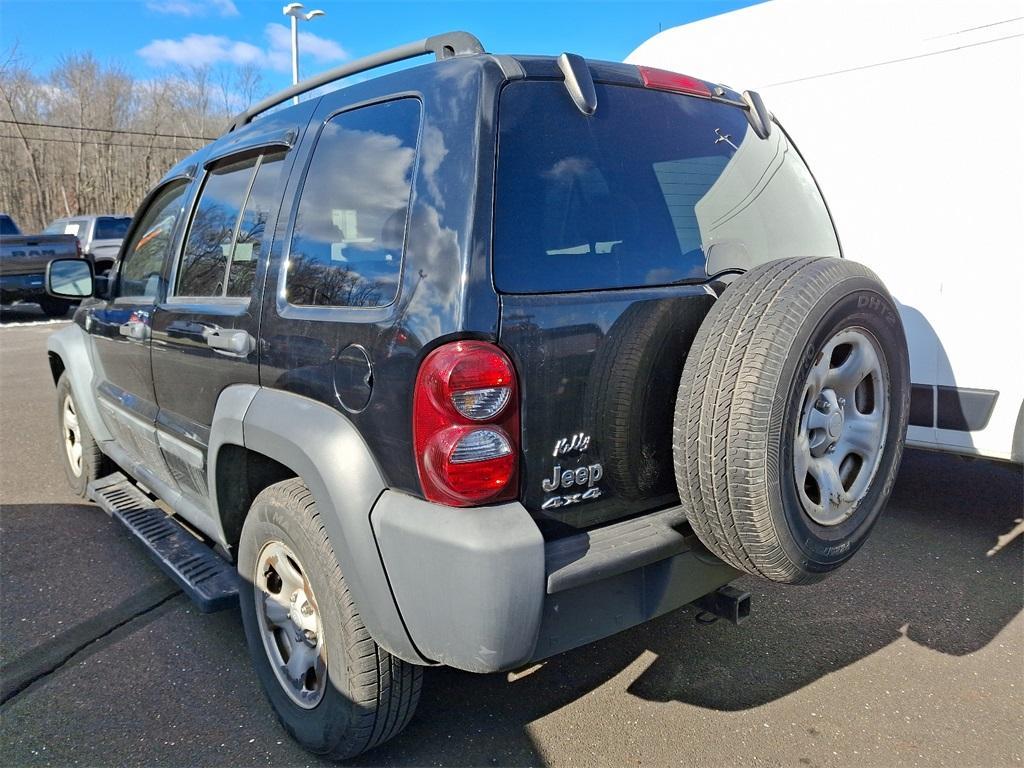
{"type": "Point", "coordinates": [210, 581]}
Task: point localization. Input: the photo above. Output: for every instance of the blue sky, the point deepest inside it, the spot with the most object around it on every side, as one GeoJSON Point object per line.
{"type": "Point", "coordinates": [152, 37]}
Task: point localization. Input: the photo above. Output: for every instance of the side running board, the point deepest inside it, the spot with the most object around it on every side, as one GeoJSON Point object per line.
{"type": "Point", "coordinates": [210, 581]}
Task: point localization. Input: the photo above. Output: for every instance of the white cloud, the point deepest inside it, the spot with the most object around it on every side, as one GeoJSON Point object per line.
{"type": "Point", "coordinates": [193, 7]}
{"type": "Point", "coordinates": [320, 49]}
{"type": "Point", "coordinates": [200, 50]}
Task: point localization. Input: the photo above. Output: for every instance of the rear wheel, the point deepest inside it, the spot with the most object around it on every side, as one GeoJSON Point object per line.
{"type": "Point", "coordinates": [54, 307]}
{"type": "Point", "coordinates": [334, 689]}
{"type": "Point", "coordinates": [791, 416]}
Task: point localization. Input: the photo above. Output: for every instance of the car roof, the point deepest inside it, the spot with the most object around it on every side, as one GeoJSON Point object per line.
{"type": "Point", "coordinates": [509, 67]}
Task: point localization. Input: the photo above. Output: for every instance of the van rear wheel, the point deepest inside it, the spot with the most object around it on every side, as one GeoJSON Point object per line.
{"type": "Point", "coordinates": [791, 416]}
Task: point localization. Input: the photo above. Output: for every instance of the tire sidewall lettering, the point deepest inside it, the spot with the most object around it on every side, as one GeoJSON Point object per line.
{"type": "Point", "coordinates": [816, 548]}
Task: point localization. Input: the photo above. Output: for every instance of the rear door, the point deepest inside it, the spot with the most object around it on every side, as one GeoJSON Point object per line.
{"type": "Point", "coordinates": [609, 232]}
{"type": "Point", "coordinates": [205, 332]}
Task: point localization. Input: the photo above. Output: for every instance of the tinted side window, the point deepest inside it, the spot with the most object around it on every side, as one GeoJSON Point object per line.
{"type": "Point", "coordinates": [203, 268]}
{"type": "Point", "coordinates": [346, 250]}
{"type": "Point", "coordinates": [259, 209]}
{"type": "Point", "coordinates": [144, 256]}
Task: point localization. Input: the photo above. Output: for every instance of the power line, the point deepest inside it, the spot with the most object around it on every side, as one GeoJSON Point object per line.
{"type": "Point", "coordinates": [100, 143]}
{"type": "Point", "coordinates": [109, 130]}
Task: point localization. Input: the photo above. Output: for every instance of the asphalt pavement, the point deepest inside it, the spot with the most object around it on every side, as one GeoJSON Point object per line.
{"type": "Point", "coordinates": [912, 655]}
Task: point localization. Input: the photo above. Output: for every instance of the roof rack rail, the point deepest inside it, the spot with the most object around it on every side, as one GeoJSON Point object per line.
{"type": "Point", "coordinates": [443, 46]}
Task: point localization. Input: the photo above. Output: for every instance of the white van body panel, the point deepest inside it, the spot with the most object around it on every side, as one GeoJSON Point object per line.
{"type": "Point", "coordinates": [911, 116]}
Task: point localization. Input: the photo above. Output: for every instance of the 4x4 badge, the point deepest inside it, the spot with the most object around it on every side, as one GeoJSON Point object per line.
{"type": "Point", "coordinates": [573, 498]}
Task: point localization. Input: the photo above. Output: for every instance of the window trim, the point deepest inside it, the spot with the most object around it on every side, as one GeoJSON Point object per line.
{"type": "Point", "coordinates": [173, 297]}
{"type": "Point", "coordinates": [324, 313]}
{"type": "Point", "coordinates": [185, 180]}
{"type": "Point", "coordinates": [268, 142]}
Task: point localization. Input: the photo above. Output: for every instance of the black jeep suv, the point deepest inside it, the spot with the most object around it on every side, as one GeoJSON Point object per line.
{"type": "Point", "coordinates": [475, 362]}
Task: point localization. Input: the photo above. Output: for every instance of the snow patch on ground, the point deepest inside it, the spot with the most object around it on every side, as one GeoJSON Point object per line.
{"type": "Point", "coordinates": [23, 323]}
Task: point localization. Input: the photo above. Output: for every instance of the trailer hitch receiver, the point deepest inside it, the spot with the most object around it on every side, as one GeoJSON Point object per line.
{"type": "Point", "coordinates": [724, 603]}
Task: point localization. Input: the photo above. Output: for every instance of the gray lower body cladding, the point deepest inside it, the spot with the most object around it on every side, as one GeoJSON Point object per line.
{"type": "Point", "coordinates": [481, 590]}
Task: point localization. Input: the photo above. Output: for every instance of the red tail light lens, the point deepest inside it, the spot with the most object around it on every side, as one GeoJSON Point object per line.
{"type": "Point", "coordinates": [466, 425]}
{"type": "Point", "coordinates": [663, 80]}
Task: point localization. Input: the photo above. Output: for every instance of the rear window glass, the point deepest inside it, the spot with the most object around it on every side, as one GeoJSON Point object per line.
{"type": "Point", "coordinates": [346, 249]}
{"type": "Point", "coordinates": [259, 208]}
{"type": "Point", "coordinates": [204, 262]}
{"type": "Point", "coordinates": [654, 188]}
{"type": "Point", "coordinates": [111, 228]}
{"type": "Point", "coordinates": [7, 226]}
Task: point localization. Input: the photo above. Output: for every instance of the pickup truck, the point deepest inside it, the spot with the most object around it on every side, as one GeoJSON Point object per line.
{"type": "Point", "coordinates": [100, 236]}
{"type": "Point", "coordinates": [23, 260]}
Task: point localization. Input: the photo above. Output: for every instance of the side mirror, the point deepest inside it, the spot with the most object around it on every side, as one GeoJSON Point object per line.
{"type": "Point", "coordinates": [70, 279]}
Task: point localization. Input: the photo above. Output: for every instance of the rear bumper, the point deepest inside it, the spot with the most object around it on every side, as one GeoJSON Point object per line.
{"type": "Point", "coordinates": [480, 589]}
{"type": "Point", "coordinates": [22, 287]}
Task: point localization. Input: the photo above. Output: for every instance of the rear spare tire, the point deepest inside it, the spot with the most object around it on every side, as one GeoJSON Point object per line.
{"type": "Point", "coordinates": [791, 416]}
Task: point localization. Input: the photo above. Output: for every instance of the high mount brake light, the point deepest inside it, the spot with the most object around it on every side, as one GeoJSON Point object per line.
{"type": "Point", "coordinates": [466, 425]}
{"type": "Point", "coordinates": [663, 80]}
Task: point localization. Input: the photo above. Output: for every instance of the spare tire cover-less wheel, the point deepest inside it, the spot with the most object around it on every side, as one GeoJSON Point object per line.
{"type": "Point", "coordinates": [791, 416]}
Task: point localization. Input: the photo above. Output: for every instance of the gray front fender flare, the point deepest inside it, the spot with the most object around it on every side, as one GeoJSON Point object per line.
{"type": "Point", "coordinates": [71, 345]}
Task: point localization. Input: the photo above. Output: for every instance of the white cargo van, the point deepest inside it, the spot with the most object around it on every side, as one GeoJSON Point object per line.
{"type": "Point", "coordinates": [912, 117]}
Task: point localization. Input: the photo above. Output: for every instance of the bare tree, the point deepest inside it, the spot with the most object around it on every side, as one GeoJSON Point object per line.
{"type": "Point", "coordinates": [114, 136]}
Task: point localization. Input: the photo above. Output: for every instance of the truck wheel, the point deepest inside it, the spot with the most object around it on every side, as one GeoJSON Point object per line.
{"type": "Point", "coordinates": [54, 307]}
{"type": "Point", "coordinates": [791, 416]}
{"type": "Point", "coordinates": [83, 460]}
{"type": "Point", "coordinates": [334, 689]}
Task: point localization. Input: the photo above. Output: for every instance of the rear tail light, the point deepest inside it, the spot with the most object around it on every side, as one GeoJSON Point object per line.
{"type": "Point", "coordinates": [466, 425]}
{"type": "Point", "coordinates": [663, 80]}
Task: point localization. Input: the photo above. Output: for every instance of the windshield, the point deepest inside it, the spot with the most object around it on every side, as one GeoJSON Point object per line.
{"type": "Point", "coordinates": [654, 188]}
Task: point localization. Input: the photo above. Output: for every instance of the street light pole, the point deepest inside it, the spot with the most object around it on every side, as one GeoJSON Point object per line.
{"type": "Point", "coordinates": [295, 10]}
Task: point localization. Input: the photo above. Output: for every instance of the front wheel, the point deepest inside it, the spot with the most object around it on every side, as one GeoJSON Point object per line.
{"type": "Point", "coordinates": [334, 689]}
{"type": "Point", "coordinates": [82, 459]}
{"type": "Point", "coordinates": [791, 416]}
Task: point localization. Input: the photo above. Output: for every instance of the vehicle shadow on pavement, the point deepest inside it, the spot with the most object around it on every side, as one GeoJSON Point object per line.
{"type": "Point", "coordinates": [924, 574]}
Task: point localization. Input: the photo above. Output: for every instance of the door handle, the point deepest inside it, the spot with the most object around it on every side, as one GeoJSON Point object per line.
{"type": "Point", "coordinates": [136, 328]}
{"type": "Point", "coordinates": [235, 342]}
